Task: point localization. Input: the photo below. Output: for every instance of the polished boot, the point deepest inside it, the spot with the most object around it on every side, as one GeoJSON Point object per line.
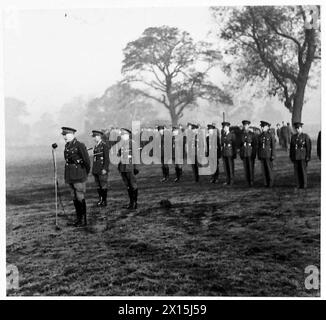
{"type": "Point", "coordinates": [104, 196]}
{"type": "Point", "coordinates": [83, 212]}
{"type": "Point", "coordinates": [100, 199]}
{"type": "Point", "coordinates": [135, 197]}
{"type": "Point", "coordinates": [78, 220]}
{"type": "Point", "coordinates": [131, 198]}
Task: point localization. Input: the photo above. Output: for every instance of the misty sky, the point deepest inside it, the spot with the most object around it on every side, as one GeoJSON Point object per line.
{"type": "Point", "coordinates": [51, 56]}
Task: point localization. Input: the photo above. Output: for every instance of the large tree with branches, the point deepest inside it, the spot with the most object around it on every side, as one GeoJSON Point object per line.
{"type": "Point", "coordinates": [170, 68]}
{"type": "Point", "coordinates": [278, 43]}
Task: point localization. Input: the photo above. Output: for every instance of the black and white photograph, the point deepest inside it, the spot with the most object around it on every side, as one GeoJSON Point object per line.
{"type": "Point", "coordinates": [162, 150]}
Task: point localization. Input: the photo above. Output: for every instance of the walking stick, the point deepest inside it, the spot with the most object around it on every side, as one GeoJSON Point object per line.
{"type": "Point", "coordinates": [54, 146]}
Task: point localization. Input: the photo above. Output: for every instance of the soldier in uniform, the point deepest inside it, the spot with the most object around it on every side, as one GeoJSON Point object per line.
{"type": "Point", "coordinates": [278, 133]}
{"type": "Point", "coordinates": [300, 154]}
{"type": "Point", "coordinates": [77, 168]}
{"type": "Point", "coordinates": [195, 166]}
{"type": "Point", "coordinates": [127, 168]}
{"type": "Point", "coordinates": [165, 167]}
{"type": "Point", "coordinates": [100, 168]}
{"type": "Point", "coordinates": [248, 151]}
{"type": "Point", "coordinates": [266, 153]}
{"type": "Point", "coordinates": [216, 148]}
{"type": "Point", "coordinates": [176, 157]}
{"type": "Point", "coordinates": [229, 152]}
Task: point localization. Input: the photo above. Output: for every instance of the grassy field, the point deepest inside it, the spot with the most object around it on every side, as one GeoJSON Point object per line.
{"type": "Point", "coordinates": [214, 241]}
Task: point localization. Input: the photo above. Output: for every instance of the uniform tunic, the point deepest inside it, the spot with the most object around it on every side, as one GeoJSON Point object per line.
{"type": "Point", "coordinates": [248, 150]}
{"type": "Point", "coordinates": [300, 154]}
{"type": "Point", "coordinates": [127, 167]}
{"type": "Point", "coordinates": [229, 153]}
{"type": "Point", "coordinates": [266, 154]}
{"type": "Point", "coordinates": [77, 168]}
{"type": "Point", "coordinates": [216, 148]}
{"type": "Point", "coordinates": [101, 162]}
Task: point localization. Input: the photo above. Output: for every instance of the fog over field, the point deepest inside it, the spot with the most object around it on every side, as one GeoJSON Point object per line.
{"type": "Point", "coordinates": [77, 54]}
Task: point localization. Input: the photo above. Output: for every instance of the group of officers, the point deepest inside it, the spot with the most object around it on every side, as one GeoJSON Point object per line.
{"type": "Point", "coordinates": [251, 146]}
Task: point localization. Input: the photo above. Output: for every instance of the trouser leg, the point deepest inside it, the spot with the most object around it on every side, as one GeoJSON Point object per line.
{"type": "Point", "coordinates": [304, 174]}
{"type": "Point", "coordinates": [230, 169]}
{"type": "Point", "coordinates": [270, 172]}
{"type": "Point", "coordinates": [263, 171]}
{"type": "Point", "coordinates": [226, 169]}
{"type": "Point", "coordinates": [178, 171]}
{"type": "Point", "coordinates": [78, 190]}
{"type": "Point", "coordinates": [245, 167]}
{"type": "Point", "coordinates": [195, 171]}
{"type": "Point", "coordinates": [103, 181]}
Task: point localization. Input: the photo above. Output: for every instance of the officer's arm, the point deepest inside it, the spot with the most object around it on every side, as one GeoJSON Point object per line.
{"type": "Point", "coordinates": [308, 145]}
{"type": "Point", "coordinates": [254, 146]}
{"type": "Point", "coordinates": [234, 146]}
{"type": "Point", "coordinates": [218, 146]}
{"type": "Point", "coordinates": [273, 147]}
{"type": "Point", "coordinates": [106, 154]}
{"type": "Point", "coordinates": [85, 157]}
{"type": "Point", "coordinates": [292, 149]}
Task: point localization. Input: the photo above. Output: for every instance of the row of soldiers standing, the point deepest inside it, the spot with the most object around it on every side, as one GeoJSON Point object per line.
{"type": "Point", "coordinates": [251, 146]}
{"type": "Point", "coordinates": [262, 146]}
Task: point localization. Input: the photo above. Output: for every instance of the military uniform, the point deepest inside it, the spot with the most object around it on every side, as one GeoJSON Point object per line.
{"type": "Point", "coordinates": [100, 168]}
{"type": "Point", "coordinates": [177, 158]}
{"type": "Point", "coordinates": [300, 154]}
{"type": "Point", "coordinates": [248, 150]}
{"type": "Point", "coordinates": [77, 168]}
{"type": "Point", "coordinates": [164, 166]}
{"type": "Point", "coordinates": [229, 153]}
{"type": "Point", "coordinates": [194, 146]}
{"type": "Point", "coordinates": [128, 170]}
{"type": "Point", "coordinates": [216, 148]}
{"type": "Point", "coordinates": [266, 154]}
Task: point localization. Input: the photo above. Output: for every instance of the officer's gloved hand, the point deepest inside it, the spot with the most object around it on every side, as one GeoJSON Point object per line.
{"type": "Point", "coordinates": [104, 171]}
{"type": "Point", "coordinates": [136, 171]}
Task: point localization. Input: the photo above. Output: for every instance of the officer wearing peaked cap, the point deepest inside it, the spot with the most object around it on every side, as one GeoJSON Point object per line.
{"type": "Point", "coordinates": [77, 168]}
{"type": "Point", "coordinates": [128, 168]}
{"type": "Point", "coordinates": [229, 152]}
{"type": "Point", "coordinates": [266, 153]}
{"type": "Point", "coordinates": [300, 154]}
{"type": "Point", "coordinates": [213, 144]}
{"type": "Point", "coordinates": [100, 168]}
{"type": "Point", "coordinates": [248, 149]}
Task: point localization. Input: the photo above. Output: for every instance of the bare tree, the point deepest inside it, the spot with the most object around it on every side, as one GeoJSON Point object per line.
{"type": "Point", "coordinates": [279, 43]}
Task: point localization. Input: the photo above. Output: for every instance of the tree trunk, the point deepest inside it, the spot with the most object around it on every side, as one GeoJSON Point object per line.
{"type": "Point", "coordinates": [299, 96]}
{"type": "Point", "coordinates": [174, 117]}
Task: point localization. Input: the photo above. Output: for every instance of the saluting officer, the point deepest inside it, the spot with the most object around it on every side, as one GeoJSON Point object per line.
{"type": "Point", "coordinates": [266, 153]}
{"type": "Point", "coordinates": [300, 154]}
{"type": "Point", "coordinates": [213, 148]}
{"type": "Point", "coordinates": [127, 167]}
{"type": "Point", "coordinates": [229, 152]}
{"type": "Point", "coordinates": [100, 168]}
{"type": "Point", "coordinates": [77, 168]}
{"type": "Point", "coordinates": [248, 150]}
